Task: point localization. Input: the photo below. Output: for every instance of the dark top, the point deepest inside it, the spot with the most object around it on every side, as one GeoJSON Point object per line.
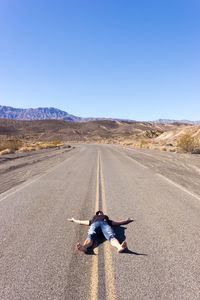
{"type": "Point", "coordinates": [100, 218]}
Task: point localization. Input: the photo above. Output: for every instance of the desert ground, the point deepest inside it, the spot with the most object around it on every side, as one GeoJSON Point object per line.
{"type": "Point", "coordinates": [25, 136]}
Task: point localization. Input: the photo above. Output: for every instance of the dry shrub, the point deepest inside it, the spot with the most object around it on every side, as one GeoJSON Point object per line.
{"type": "Point", "coordinates": [144, 144]}
{"type": "Point", "coordinates": [5, 151]}
{"type": "Point", "coordinates": [45, 146]}
{"type": "Point", "coordinates": [163, 148]}
{"type": "Point", "coordinates": [57, 142]}
{"type": "Point", "coordinates": [187, 143]}
{"type": "Point", "coordinates": [11, 145]}
{"type": "Point", "coordinates": [26, 149]}
{"type": "Point", "coordinates": [52, 144]}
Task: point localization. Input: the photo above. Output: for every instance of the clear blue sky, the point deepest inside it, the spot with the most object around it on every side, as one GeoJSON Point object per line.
{"type": "Point", "coordinates": [102, 58]}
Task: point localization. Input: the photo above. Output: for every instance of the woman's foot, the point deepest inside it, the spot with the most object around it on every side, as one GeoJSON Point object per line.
{"type": "Point", "coordinates": [81, 247]}
{"type": "Point", "coordinates": [123, 246]}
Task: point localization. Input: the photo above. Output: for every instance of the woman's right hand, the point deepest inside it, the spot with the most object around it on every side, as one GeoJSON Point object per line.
{"type": "Point", "coordinates": [71, 220]}
{"type": "Point", "coordinates": [129, 220]}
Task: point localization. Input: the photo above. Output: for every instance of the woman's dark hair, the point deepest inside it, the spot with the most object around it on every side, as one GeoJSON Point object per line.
{"type": "Point", "coordinates": [98, 212]}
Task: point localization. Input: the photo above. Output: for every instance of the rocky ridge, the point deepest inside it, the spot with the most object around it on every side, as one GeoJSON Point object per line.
{"type": "Point", "coordinates": [41, 113]}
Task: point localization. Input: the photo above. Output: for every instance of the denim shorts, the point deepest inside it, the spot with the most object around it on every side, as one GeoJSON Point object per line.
{"type": "Point", "coordinates": [98, 227]}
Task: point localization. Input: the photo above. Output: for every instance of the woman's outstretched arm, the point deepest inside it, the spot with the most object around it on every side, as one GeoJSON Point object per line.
{"type": "Point", "coordinates": [81, 222]}
{"type": "Point", "coordinates": [125, 222]}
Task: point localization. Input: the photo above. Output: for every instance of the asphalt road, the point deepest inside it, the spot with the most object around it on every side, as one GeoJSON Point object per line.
{"type": "Point", "coordinates": [160, 191]}
{"type": "Point", "coordinates": [17, 168]}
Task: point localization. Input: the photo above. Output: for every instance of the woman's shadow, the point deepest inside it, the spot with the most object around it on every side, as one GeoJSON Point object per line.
{"type": "Point", "coordinates": [120, 235]}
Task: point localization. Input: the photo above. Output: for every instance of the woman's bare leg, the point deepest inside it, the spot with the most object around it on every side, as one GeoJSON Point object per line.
{"type": "Point", "coordinates": [120, 247]}
{"type": "Point", "coordinates": [85, 245]}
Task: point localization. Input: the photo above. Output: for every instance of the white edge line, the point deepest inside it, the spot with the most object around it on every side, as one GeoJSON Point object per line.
{"type": "Point", "coordinates": [15, 189]}
{"type": "Point", "coordinates": [137, 163]}
{"type": "Point", "coordinates": [137, 151]}
{"type": "Point", "coordinates": [178, 186]}
{"type": "Point", "coordinates": [132, 159]}
{"type": "Point", "coordinates": [165, 178]}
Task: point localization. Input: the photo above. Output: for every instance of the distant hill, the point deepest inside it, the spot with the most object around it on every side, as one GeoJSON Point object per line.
{"type": "Point", "coordinates": [79, 131]}
{"type": "Point", "coordinates": [41, 113]}
{"type": "Point", "coordinates": [136, 134]}
{"type": "Point", "coordinates": [44, 113]}
{"type": "Point", "coordinates": [169, 121]}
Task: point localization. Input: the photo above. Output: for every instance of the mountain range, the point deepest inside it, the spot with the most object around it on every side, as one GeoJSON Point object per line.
{"type": "Point", "coordinates": [51, 113]}
{"type": "Point", "coordinates": [40, 113]}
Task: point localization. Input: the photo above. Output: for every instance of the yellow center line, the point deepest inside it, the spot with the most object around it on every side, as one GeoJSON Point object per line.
{"type": "Point", "coordinates": [109, 277]}
{"type": "Point", "coordinates": [94, 271]}
{"type": "Point", "coordinates": [109, 274]}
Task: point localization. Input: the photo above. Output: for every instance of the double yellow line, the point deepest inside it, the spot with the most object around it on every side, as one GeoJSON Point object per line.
{"type": "Point", "coordinates": [109, 278]}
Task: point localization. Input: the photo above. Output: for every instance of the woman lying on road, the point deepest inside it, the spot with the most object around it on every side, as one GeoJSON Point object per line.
{"type": "Point", "coordinates": [101, 223]}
